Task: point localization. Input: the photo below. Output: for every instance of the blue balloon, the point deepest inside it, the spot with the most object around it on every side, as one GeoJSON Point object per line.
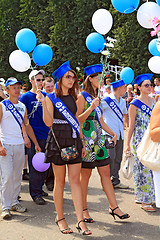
{"type": "Point", "coordinates": [125, 6]}
{"type": "Point", "coordinates": [153, 47]}
{"type": "Point", "coordinates": [127, 75]}
{"type": "Point", "coordinates": [158, 2]}
{"type": "Point", "coordinates": [26, 40]}
{"type": "Point", "coordinates": [95, 42]}
{"type": "Point", "coordinates": [42, 54]}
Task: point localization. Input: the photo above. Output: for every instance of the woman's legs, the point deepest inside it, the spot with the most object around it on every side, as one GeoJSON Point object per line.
{"type": "Point", "coordinates": [60, 173]}
{"type": "Point", "coordinates": [85, 176]}
{"type": "Point", "coordinates": [74, 179]}
{"type": "Point", "coordinates": [104, 173]}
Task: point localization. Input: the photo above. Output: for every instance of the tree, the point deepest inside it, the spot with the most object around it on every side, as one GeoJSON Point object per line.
{"type": "Point", "coordinates": [9, 10]}
{"type": "Point", "coordinates": [131, 48]}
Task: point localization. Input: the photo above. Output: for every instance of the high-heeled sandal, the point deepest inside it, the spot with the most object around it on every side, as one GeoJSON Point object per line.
{"type": "Point", "coordinates": [63, 230]}
{"type": "Point", "coordinates": [124, 216]}
{"type": "Point", "coordinates": [88, 220]}
{"type": "Point", "coordinates": [85, 232]}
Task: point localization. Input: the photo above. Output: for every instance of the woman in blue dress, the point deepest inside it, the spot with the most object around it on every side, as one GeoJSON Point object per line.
{"type": "Point", "coordinates": [139, 118]}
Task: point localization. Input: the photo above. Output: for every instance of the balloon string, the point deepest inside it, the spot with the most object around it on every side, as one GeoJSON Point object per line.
{"type": "Point", "coordinates": [35, 107]}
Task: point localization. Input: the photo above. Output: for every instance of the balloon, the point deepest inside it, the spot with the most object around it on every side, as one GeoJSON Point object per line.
{"type": "Point", "coordinates": [42, 54]}
{"type": "Point", "coordinates": [38, 162]}
{"type": "Point", "coordinates": [19, 61]}
{"type": "Point", "coordinates": [158, 2]}
{"type": "Point", "coordinates": [125, 6]}
{"type": "Point", "coordinates": [154, 64]}
{"type": "Point", "coordinates": [153, 47]}
{"type": "Point", "coordinates": [127, 75]}
{"type": "Point", "coordinates": [102, 21]}
{"type": "Point", "coordinates": [146, 13]}
{"type": "Point", "coordinates": [95, 42]}
{"type": "Point", "coordinates": [26, 40]}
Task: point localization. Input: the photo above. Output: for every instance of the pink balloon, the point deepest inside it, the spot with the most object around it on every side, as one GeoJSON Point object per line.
{"type": "Point", "coordinates": [38, 162]}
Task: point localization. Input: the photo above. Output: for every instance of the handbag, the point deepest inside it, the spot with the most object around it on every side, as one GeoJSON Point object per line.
{"type": "Point", "coordinates": [148, 152]}
{"type": "Point", "coordinates": [127, 169]}
{"type": "Point", "coordinates": [68, 153]}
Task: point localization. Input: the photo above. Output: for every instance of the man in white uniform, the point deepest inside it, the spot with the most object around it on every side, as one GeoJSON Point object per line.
{"type": "Point", "coordinates": [12, 157]}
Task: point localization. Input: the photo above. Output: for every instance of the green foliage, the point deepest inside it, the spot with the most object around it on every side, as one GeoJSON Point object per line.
{"type": "Point", "coordinates": [64, 25]}
{"type": "Point", "coordinates": [131, 48]}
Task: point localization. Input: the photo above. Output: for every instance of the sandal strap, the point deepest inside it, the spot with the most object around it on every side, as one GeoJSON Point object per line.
{"type": "Point", "coordinates": [60, 220]}
{"type": "Point", "coordinates": [66, 229]}
{"type": "Point", "coordinates": [80, 222]}
{"type": "Point", "coordinates": [85, 209]}
{"type": "Point", "coordinates": [114, 209]}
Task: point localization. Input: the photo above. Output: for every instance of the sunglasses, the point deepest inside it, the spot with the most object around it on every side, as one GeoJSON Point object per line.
{"type": "Point", "coordinates": [69, 77]}
{"type": "Point", "coordinates": [38, 80]}
{"type": "Point", "coordinates": [147, 85]}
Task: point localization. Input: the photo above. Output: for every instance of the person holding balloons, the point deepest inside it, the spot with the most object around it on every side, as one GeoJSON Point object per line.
{"type": "Point", "coordinates": [139, 117]}
{"type": "Point", "coordinates": [34, 109]}
{"type": "Point", "coordinates": [91, 118]}
{"type": "Point", "coordinates": [59, 112]}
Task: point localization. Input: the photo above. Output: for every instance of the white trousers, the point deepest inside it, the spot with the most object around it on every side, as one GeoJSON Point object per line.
{"type": "Point", "coordinates": [156, 179]}
{"type": "Point", "coordinates": [11, 167]}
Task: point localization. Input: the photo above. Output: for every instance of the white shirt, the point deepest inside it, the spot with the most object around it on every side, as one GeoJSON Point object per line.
{"type": "Point", "coordinates": [10, 131]}
{"type": "Point", "coordinates": [157, 89]}
{"type": "Point", "coordinates": [111, 119]}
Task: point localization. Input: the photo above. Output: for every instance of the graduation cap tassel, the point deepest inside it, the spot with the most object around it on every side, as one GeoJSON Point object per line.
{"type": "Point", "coordinates": [56, 85]}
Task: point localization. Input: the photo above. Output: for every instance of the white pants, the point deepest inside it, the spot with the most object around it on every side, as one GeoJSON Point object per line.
{"type": "Point", "coordinates": [156, 179]}
{"type": "Point", "coordinates": [11, 167]}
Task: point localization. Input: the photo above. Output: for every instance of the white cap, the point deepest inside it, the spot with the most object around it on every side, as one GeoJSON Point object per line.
{"type": "Point", "coordinates": [35, 72]}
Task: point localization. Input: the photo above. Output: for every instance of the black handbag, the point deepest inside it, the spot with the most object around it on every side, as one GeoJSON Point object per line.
{"type": "Point", "coordinates": [68, 153]}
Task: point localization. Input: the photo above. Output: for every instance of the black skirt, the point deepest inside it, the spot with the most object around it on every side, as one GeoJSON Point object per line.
{"type": "Point", "coordinates": [63, 133]}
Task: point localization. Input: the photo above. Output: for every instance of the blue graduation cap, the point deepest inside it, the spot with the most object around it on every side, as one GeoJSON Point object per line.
{"type": "Point", "coordinates": [142, 77]}
{"type": "Point", "coordinates": [59, 72]}
{"type": "Point", "coordinates": [118, 83]}
{"type": "Point", "coordinates": [93, 69]}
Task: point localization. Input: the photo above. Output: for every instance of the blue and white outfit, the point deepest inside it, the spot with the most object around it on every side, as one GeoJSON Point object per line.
{"type": "Point", "coordinates": [12, 164]}
{"type": "Point", "coordinates": [36, 179]}
{"type": "Point", "coordinates": [116, 124]}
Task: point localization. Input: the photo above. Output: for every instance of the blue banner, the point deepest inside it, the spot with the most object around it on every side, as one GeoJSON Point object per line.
{"type": "Point", "coordinates": [114, 107]}
{"type": "Point", "coordinates": [16, 114]}
{"type": "Point", "coordinates": [98, 110]}
{"type": "Point", "coordinates": [137, 103]}
{"type": "Point", "coordinates": [65, 112]}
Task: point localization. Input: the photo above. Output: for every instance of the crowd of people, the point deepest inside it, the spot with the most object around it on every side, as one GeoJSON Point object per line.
{"type": "Point", "coordinates": [59, 118]}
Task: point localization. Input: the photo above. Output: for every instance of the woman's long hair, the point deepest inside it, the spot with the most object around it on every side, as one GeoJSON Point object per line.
{"type": "Point", "coordinates": [138, 91]}
{"type": "Point", "coordinates": [72, 91]}
{"type": "Point", "coordinates": [88, 86]}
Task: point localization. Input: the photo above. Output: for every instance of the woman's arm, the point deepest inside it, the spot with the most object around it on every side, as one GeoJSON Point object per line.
{"type": "Point", "coordinates": [155, 123]}
{"type": "Point", "coordinates": [132, 117]}
{"type": "Point", "coordinates": [47, 106]}
{"type": "Point", "coordinates": [82, 116]}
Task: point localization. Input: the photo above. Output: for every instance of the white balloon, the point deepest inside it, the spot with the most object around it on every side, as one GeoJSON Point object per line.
{"type": "Point", "coordinates": [19, 61]}
{"type": "Point", "coordinates": [102, 21]}
{"type": "Point", "coordinates": [146, 13]}
{"type": "Point", "coordinates": [154, 64]}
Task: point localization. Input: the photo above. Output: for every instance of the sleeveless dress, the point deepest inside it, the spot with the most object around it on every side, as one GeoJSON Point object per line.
{"type": "Point", "coordinates": [97, 154]}
{"type": "Point", "coordinates": [143, 178]}
{"type": "Point", "coordinates": [64, 135]}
